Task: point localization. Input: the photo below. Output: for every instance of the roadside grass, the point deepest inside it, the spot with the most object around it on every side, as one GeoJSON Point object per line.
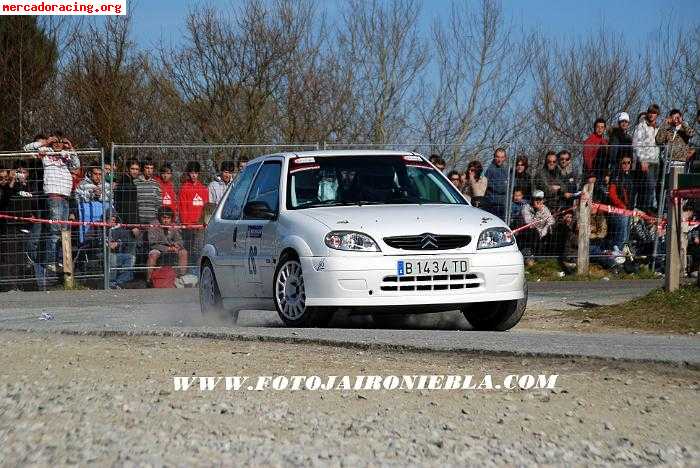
{"type": "Point", "coordinates": [549, 270]}
{"type": "Point", "coordinates": [659, 310]}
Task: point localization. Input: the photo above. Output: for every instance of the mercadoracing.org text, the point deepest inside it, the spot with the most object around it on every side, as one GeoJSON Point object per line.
{"type": "Point", "coordinates": [62, 7]}
{"type": "Point", "coordinates": [365, 382]}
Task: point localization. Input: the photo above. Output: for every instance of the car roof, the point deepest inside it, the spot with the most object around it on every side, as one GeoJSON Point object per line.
{"type": "Point", "coordinates": [335, 153]}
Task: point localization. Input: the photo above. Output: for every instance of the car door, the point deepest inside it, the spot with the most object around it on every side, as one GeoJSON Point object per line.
{"type": "Point", "coordinates": [261, 233]}
{"type": "Point", "coordinates": [229, 238]}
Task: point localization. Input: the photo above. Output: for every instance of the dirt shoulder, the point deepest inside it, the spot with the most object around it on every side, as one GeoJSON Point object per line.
{"type": "Point", "coordinates": [656, 312]}
{"type": "Point", "coordinates": [71, 399]}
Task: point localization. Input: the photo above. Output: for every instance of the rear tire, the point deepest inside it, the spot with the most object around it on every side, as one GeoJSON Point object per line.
{"type": "Point", "coordinates": [210, 300]}
{"type": "Point", "coordinates": [290, 296]}
{"type": "Point", "coordinates": [495, 316]}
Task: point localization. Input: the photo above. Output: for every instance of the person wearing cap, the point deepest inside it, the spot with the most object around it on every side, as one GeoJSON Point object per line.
{"type": "Point", "coordinates": [646, 154]}
{"type": "Point", "coordinates": [620, 140]}
{"type": "Point", "coordinates": [538, 214]}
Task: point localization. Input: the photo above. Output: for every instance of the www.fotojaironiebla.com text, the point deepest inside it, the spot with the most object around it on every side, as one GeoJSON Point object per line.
{"type": "Point", "coordinates": [365, 382]}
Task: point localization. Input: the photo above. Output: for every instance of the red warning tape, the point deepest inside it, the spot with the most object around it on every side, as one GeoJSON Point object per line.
{"type": "Point", "coordinates": [99, 223]}
{"type": "Point", "coordinates": [686, 193]}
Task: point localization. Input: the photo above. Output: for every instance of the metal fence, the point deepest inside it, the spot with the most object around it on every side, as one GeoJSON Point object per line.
{"type": "Point", "coordinates": [111, 204]}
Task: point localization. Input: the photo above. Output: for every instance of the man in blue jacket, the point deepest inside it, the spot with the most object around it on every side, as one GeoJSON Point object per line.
{"type": "Point", "coordinates": [497, 188]}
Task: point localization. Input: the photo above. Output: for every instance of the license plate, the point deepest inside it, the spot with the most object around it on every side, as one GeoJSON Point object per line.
{"type": "Point", "coordinates": [433, 266]}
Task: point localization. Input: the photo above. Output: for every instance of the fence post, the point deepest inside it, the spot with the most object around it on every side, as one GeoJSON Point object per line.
{"type": "Point", "coordinates": [68, 278]}
{"type": "Point", "coordinates": [107, 266]}
{"type": "Point", "coordinates": [663, 166]}
{"type": "Point", "coordinates": [584, 235]}
{"type": "Point", "coordinates": [673, 259]}
{"type": "Point", "coordinates": [510, 187]}
{"type": "Point", "coordinates": [105, 206]}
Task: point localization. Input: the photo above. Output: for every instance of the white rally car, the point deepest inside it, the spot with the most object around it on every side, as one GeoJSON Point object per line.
{"type": "Point", "coordinates": [383, 232]}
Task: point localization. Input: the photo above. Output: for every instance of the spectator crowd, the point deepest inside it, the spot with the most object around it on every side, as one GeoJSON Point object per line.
{"type": "Point", "coordinates": [142, 204]}
{"type": "Point", "coordinates": [155, 236]}
{"type": "Point", "coordinates": [621, 167]}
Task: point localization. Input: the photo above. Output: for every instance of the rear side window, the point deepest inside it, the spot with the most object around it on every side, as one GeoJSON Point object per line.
{"type": "Point", "coordinates": [266, 185]}
{"type": "Point", "coordinates": [236, 196]}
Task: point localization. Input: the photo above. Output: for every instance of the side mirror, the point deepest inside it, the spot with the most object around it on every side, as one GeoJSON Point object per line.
{"type": "Point", "coordinates": [258, 210]}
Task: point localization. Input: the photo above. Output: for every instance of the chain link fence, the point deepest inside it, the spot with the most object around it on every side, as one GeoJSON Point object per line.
{"type": "Point", "coordinates": [110, 206]}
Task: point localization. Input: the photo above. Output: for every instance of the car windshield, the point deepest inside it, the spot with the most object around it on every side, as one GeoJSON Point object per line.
{"type": "Point", "coordinates": [366, 180]}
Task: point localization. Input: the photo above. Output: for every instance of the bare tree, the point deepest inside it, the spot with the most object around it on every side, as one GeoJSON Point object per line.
{"type": "Point", "coordinates": [105, 86]}
{"type": "Point", "coordinates": [384, 45]}
{"type": "Point", "coordinates": [230, 70]}
{"type": "Point", "coordinates": [675, 63]}
{"type": "Point", "coordinates": [27, 63]}
{"type": "Point", "coordinates": [482, 68]}
{"type": "Point", "coordinates": [575, 84]}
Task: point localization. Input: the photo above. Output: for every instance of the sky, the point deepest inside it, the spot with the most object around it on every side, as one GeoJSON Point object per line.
{"type": "Point", "coordinates": [563, 20]}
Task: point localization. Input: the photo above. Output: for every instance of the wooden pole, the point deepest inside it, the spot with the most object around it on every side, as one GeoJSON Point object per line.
{"type": "Point", "coordinates": [68, 279]}
{"type": "Point", "coordinates": [584, 235]}
{"type": "Point", "coordinates": [673, 259]}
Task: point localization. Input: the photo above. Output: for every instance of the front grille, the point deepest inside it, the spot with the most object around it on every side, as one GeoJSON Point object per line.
{"type": "Point", "coordinates": [430, 283]}
{"type": "Point", "coordinates": [428, 241]}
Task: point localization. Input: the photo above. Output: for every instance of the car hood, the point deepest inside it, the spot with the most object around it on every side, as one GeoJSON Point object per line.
{"type": "Point", "coordinates": [402, 220]}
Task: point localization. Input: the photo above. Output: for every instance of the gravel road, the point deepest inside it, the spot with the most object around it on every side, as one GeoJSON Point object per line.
{"type": "Point", "coordinates": [176, 312]}
{"type": "Point", "coordinates": [105, 401]}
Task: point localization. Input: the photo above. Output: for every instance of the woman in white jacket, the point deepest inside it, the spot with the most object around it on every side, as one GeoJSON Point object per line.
{"type": "Point", "coordinates": [646, 154]}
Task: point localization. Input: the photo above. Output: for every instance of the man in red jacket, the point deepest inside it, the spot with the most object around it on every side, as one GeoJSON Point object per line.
{"type": "Point", "coordinates": [193, 198]}
{"type": "Point", "coordinates": [593, 148]}
{"type": "Point", "coordinates": [167, 189]}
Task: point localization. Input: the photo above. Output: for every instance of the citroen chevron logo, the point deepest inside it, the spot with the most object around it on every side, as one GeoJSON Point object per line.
{"type": "Point", "coordinates": [428, 241]}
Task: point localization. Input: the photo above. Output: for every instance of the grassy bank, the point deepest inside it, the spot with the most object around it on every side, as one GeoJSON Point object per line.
{"type": "Point", "coordinates": [659, 310]}
{"type": "Point", "coordinates": [550, 270]}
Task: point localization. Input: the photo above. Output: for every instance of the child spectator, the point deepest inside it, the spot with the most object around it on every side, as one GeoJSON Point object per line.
{"type": "Point", "coordinates": [90, 198]}
{"type": "Point", "coordinates": [475, 188]}
{"type": "Point", "coordinates": [166, 243]}
{"type": "Point", "coordinates": [517, 207]}
{"type": "Point", "coordinates": [541, 220]}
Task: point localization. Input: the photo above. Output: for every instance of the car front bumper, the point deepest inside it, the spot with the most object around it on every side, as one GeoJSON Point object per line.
{"type": "Point", "coordinates": [367, 281]}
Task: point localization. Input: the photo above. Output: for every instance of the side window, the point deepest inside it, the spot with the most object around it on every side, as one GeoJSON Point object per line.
{"type": "Point", "coordinates": [234, 202]}
{"type": "Point", "coordinates": [266, 185]}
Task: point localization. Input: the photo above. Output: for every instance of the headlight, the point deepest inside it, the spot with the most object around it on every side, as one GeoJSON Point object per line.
{"type": "Point", "coordinates": [350, 240]}
{"type": "Point", "coordinates": [495, 237]}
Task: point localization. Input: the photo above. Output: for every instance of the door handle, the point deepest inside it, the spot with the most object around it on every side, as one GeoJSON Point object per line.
{"type": "Point", "coordinates": [235, 234]}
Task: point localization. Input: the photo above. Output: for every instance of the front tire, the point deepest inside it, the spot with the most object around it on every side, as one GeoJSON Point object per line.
{"type": "Point", "coordinates": [495, 316]}
{"type": "Point", "coordinates": [210, 300]}
{"type": "Point", "coordinates": [290, 296]}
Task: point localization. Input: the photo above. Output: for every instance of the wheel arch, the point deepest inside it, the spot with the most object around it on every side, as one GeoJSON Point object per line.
{"type": "Point", "coordinates": [296, 244]}
{"type": "Point", "coordinates": [208, 252]}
